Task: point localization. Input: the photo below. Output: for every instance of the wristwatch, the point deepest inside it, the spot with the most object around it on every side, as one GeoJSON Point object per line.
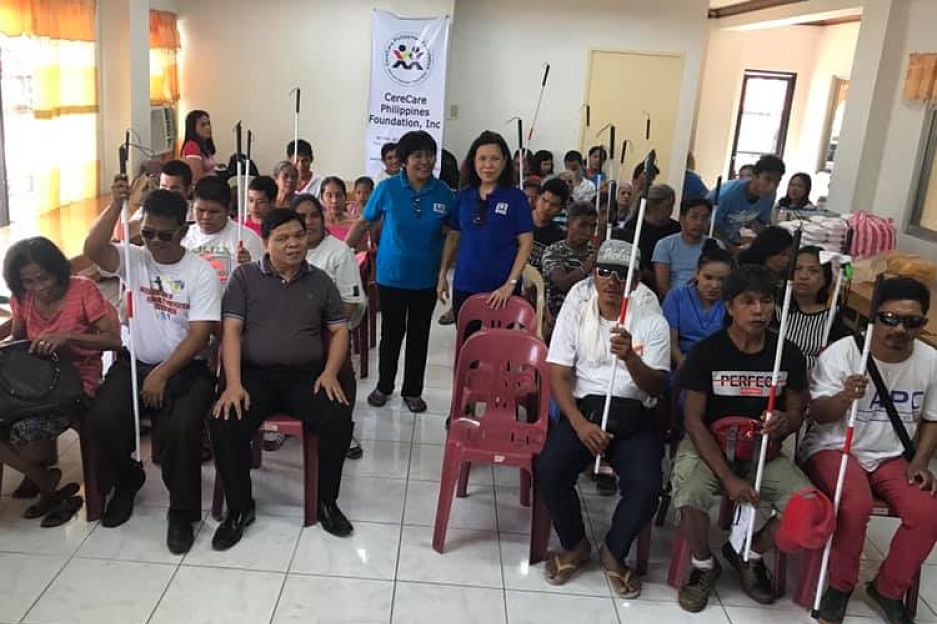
{"type": "Point", "coordinates": [513, 282]}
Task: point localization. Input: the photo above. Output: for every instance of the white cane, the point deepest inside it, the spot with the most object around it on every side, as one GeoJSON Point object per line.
{"type": "Point", "coordinates": [622, 315]}
{"type": "Point", "coordinates": [712, 217]}
{"type": "Point", "coordinates": [247, 169]}
{"type": "Point", "coordinates": [847, 447]}
{"type": "Point", "coordinates": [842, 265]}
{"type": "Point", "coordinates": [773, 392]}
{"type": "Point", "coordinates": [296, 90]}
{"type": "Point", "coordinates": [123, 154]}
{"type": "Point", "coordinates": [240, 182]}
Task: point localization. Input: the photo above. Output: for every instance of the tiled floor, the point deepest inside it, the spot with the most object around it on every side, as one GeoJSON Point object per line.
{"type": "Point", "coordinates": [385, 573]}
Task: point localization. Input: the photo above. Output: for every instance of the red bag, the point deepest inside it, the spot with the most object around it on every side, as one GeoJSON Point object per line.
{"type": "Point", "coordinates": [738, 437]}
{"type": "Point", "coordinates": [872, 234]}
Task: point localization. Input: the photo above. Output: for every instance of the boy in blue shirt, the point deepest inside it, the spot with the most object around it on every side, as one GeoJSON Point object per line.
{"type": "Point", "coordinates": [747, 202]}
{"type": "Point", "coordinates": [675, 256]}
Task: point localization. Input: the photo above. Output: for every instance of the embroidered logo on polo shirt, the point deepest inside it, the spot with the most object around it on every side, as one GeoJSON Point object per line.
{"type": "Point", "coordinates": [439, 208]}
{"type": "Point", "coordinates": [501, 208]}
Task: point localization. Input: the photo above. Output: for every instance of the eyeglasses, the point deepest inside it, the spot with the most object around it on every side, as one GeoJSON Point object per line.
{"type": "Point", "coordinates": [911, 321]}
{"type": "Point", "coordinates": [417, 207]}
{"type": "Point", "coordinates": [605, 272]}
{"type": "Point", "coordinates": [481, 211]}
{"type": "Point", "coordinates": [161, 235]}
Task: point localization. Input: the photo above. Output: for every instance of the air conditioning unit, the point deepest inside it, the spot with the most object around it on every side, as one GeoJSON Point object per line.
{"type": "Point", "coordinates": [162, 130]}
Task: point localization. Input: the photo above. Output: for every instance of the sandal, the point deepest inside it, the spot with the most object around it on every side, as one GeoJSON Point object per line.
{"type": "Point", "coordinates": [625, 582]}
{"type": "Point", "coordinates": [62, 512]}
{"type": "Point", "coordinates": [558, 573]}
{"type": "Point", "coordinates": [47, 503]}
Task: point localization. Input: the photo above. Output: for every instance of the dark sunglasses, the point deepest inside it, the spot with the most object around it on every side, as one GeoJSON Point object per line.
{"type": "Point", "coordinates": [911, 321]}
{"type": "Point", "coordinates": [621, 275]}
{"type": "Point", "coordinates": [163, 236]}
{"type": "Point", "coordinates": [481, 211]}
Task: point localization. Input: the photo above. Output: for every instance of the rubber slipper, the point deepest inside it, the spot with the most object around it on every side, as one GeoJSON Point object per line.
{"type": "Point", "coordinates": [26, 490]}
{"type": "Point", "coordinates": [355, 451]}
{"type": "Point", "coordinates": [62, 512]}
{"type": "Point", "coordinates": [47, 503]}
{"type": "Point", "coordinates": [558, 573]}
{"type": "Point", "coordinates": [624, 581]}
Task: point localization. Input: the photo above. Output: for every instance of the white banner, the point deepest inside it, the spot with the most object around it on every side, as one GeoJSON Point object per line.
{"type": "Point", "coordinates": [408, 81]}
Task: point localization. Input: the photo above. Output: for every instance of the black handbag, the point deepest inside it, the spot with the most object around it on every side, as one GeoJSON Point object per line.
{"type": "Point", "coordinates": [31, 384]}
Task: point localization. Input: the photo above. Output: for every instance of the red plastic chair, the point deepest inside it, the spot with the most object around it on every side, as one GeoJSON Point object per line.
{"type": "Point", "coordinates": [283, 423]}
{"type": "Point", "coordinates": [497, 436]}
{"type": "Point", "coordinates": [810, 570]}
{"type": "Point", "coordinates": [516, 314]}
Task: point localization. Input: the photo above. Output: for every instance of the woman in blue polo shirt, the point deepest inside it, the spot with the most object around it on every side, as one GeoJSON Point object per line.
{"type": "Point", "coordinates": [414, 206]}
{"type": "Point", "coordinates": [491, 225]}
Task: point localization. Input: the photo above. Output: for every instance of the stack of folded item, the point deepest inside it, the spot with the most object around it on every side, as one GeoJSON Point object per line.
{"type": "Point", "coordinates": [826, 232]}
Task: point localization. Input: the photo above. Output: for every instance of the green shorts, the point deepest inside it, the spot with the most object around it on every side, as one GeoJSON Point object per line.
{"type": "Point", "coordinates": [695, 486]}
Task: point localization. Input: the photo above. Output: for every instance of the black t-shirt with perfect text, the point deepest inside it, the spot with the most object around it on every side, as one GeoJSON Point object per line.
{"type": "Point", "coordinates": [736, 383]}
{"type": "Point", "coordinates": [543, 238]}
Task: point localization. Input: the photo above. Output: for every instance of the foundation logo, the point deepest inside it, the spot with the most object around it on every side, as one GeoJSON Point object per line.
{"type": "Point", "coordinates": [407, 59]}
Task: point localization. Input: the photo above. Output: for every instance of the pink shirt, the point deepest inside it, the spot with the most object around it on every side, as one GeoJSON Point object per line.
{"type": "Point", "coordinates": [192, 150]}
{"type": "Point", "coordinates": [84, 306]}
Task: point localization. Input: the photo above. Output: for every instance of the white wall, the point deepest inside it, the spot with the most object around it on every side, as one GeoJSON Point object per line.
{"type": "Point", "coordinates": [498, 51]}
{"type": "Point", "coordinates": [903, 124]}
{"type": "Point", "coordinates": [240, 58]}
{"type": "Point", "coordinates": [815, 54]}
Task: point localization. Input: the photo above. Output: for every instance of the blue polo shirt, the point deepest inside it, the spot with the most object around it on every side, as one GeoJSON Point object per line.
{"type": "Point", "coordinates": [735, 211]}
{"type": "Point", "coordinates": [487, 251]}
{"type": "Point", "coordinates": [412, 237]}
{"type": "Point", "coordinates": [684, 313]}
{"type": "Point", "coordinates": [680, 256]}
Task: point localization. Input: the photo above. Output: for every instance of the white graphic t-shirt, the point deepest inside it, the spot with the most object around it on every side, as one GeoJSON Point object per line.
{"type": "Point", "coordinates": [166, 298]}
{"type": "Point", "coordinates": [913, 388]}
{"type": "Point", "coordinates": [220, 249]}
{"type": "Point", "coordinates": [339, 262]}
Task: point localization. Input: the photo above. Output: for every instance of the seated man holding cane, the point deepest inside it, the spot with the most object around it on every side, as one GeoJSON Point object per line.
{"type": "Point", "coordinates": [728, 375]}
{"type": "Point", "coordinates": [176, 305]}
{"type": "Point", "coordinates": [879, 464]}
{"type": "Point", "coordinates": [274, 360]}
{"type": "Point", "coordinates": [585, 348]}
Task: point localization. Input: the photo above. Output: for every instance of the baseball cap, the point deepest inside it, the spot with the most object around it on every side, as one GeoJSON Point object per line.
{"type": "Point", "coordinates": [616, 254]}
{"type": "Point", "coordinates": [807, 522]}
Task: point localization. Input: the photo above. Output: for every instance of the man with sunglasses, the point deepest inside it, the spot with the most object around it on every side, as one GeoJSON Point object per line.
{"type": "Point", "coordinates": [585, 348]}
{"type": "Point", "coordinates": [876, 465]}
{"type": "Point", "coordinates": [176, 304]}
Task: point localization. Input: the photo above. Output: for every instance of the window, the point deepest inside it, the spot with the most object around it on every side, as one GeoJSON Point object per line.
{"type": "Point", "coordinates": [924, 213]}
{"type": "Point", "coordinates": [763, 118]}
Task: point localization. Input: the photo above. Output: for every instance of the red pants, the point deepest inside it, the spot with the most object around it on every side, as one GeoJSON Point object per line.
{"type": "Point", "coordinates": [913, 540]}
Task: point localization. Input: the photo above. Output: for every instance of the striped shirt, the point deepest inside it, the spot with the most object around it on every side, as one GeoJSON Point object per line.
{"type": "Point", "coordinates": [805, 329]}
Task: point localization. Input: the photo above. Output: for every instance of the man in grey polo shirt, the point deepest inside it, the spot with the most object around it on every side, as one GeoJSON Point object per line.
{"type": "Point", "coordinates": [273, 314]}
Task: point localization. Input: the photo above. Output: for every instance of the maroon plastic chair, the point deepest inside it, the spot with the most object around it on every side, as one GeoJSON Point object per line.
{"type": "Point", "coordinates": [497, 437]}
{"type": "Point", "coordinates": [516, 314]}
{"type": "Point", "coordinates": [810, 570]}
{"type": "Point", "coordinates": [283, 423]}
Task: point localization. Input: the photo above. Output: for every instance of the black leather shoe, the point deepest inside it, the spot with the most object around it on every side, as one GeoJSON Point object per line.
{"type": "Point", "coordinates": [377, 398]}
{"type": "Point", "coordinates": [231, 529]}
{"type": "Point", "coordinates": [120, 507]}
{"type": "Point", "coordinates": [333, 520]}
{"type": "Point", "coordinates": [179, 534]}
